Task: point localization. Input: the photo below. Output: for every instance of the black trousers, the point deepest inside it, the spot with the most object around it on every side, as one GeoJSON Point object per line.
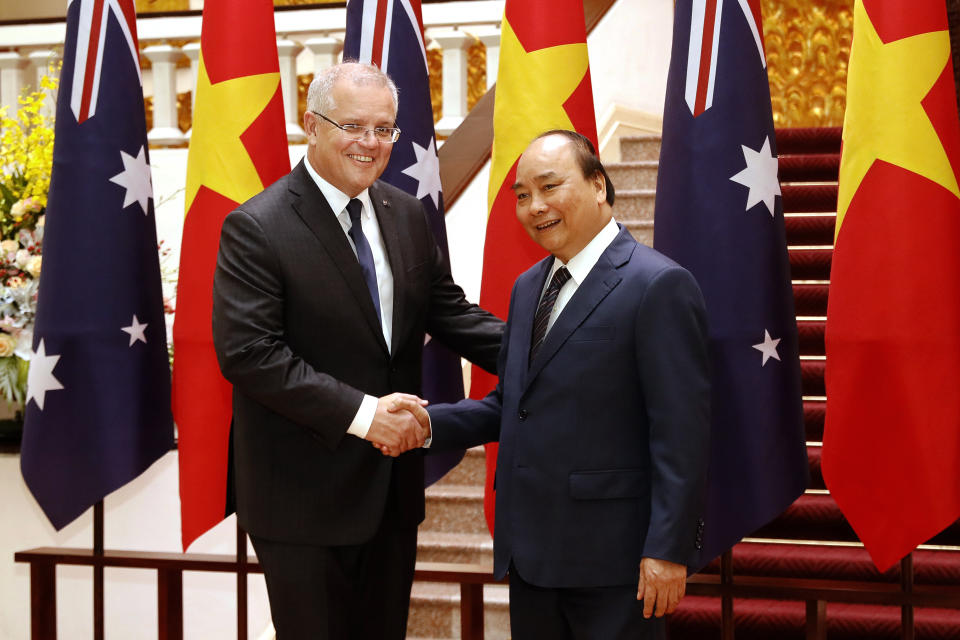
{"type": "Point", "coordinates": [355, 592]}
{"type": "Point", "coordinates": [596, 613]}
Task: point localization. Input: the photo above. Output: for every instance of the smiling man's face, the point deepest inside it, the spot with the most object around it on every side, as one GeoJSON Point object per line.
{"type": "Point", "coordinates": [351, 165]}
{"type": "Point", "coordinates": [560, 209]}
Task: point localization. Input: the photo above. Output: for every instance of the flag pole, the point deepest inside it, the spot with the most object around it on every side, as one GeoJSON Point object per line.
{"type": "Point", "coordinates": [98, 571]}
{"type": "Point", "coordinates": [241, 583]}
{"type": "Point", "coordinates": [906, 611]}
{"type": "Point", "coordinates": [726, 600]}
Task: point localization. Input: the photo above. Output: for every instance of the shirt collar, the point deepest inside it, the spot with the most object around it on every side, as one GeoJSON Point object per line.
{"type": "Point", "coordinates": [581, 264]}
{"type": "Point", "coordinates": [337, 199]}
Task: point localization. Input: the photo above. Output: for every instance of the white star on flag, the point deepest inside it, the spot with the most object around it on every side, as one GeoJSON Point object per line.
{"type": "Point", "coordinates": [768, 347]}
{"type": "Point", "coordinates": [40, 379]}
{"type": "Point", "coordinates": [760, 176]}
{"type": "Point", "coordinates": [135, 178]}
{"type": "Point", "coordinates": [136, 331]}
{"type": "Point", "coordinates": [426, 172]}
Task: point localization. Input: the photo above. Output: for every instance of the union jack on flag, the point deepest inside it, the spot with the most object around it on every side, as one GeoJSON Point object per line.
{"type": "Point", "coordinates": [97, 412]}
{"type": "Point", "coordinates": [389, 34]}
{"type": "Point", "coordinates": [88, 56]}
{"type": "Point", "coordinates": [704, 48]}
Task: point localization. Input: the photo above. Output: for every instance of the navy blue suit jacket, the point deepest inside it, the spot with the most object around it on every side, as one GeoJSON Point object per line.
{"type": "Point", "coordinates": [604, 436]}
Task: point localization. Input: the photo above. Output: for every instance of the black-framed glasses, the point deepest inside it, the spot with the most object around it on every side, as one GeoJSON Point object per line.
{"type": "Point", "coordinates": [388, 135]}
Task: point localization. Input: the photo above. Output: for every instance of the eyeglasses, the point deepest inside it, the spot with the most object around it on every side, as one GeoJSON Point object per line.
{"type": "Point", "coordinates": [387, 135]}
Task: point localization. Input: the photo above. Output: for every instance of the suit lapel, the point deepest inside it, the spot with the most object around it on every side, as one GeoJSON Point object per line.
{"type": "Point", "coordinates": [310, 205]}
{"type": "Point", "coordinates": [382, 206]}
{"type": "Point", "coordinates": [601, 280]}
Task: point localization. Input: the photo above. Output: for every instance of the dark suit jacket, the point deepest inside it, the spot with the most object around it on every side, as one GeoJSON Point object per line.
{"type": "Point", "coordinates": [296, 333]}
{"type": "Point", "coordinates": [603, 438]}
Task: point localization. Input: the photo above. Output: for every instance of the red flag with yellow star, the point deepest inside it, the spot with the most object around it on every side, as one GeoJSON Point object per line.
{"type": "Point", "coordinates": [891, 451]}
{"type": "Point", "coordinates": [238, 146]}
{"type": "Point", "coordinates": [543, 83]}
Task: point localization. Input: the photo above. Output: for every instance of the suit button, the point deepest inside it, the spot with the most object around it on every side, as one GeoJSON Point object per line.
{"type": "Point", "coordinates": [522, 415]}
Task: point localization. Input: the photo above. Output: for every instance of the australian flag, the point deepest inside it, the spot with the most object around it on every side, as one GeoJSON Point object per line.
{"type": "Point", "coordinates": [98, 391]}
{"type": "Point", "coordinates": [719, 214]}
{"type": "Point", "coordinates": [389, 34]}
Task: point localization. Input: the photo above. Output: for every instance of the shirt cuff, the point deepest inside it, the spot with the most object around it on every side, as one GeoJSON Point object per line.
{"type": "Point", "coordinates": [429, 440]}
{"type": "Point", "coordinates": [364, 418]}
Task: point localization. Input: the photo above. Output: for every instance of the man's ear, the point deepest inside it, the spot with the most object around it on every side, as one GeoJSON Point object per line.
{"type": "Point", "coordinates": [600, 183]}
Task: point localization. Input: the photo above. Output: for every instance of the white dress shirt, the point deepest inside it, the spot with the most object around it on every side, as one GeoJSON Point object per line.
{"type": "Point", "coordinates": [579, 267]}
{"type": "Point", "coordinates": [338, 201]}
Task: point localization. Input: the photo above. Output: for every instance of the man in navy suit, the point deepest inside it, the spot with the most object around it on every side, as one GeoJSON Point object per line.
{"type": "Point", "coordinates": [601, 412]}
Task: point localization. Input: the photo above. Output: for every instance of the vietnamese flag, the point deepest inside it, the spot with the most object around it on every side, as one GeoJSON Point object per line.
{"type": "Point", "coordinates": [891, 451]}
{"type": "Point", "coordinates": [238, 146]}
{"type": "Point", "coordinates": [543, 83]}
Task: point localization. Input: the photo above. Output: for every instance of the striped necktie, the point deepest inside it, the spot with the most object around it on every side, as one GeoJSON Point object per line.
{"type": "Point", "coordinates": [542, 318]}
{"type": "Point", "coordinates": [364, 254]}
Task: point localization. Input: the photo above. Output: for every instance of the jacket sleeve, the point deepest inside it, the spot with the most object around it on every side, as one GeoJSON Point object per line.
{"type": "Point", "coordinates": [672, 356]}
{"type": "Point", "coordinates": [248, 336]}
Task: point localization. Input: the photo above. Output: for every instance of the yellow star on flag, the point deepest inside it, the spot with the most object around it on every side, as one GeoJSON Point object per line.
{"type": "Point", "coordinates": [222, 112]}
{"type": "Point", "coordinates": [541, 81]}
{"type": "Point", "coordinates": [885, 119]}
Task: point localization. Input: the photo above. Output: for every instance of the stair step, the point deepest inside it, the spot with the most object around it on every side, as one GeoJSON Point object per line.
{"type": "Point", "coordinates": [454, 508]}
{"type": "Point", "coordinates": [813, 167]}
{"type": "Point", "coordinates": [794, 140]}
{"type": "Point", "coordinates": [810, 299]}
{"type": "Point", "coordinates": [466, 548]}
{"type": "Point", "coordinates": [813, 460]}
{"type": "Point", "coordinates": [816, 516]}
{"type": "Point", "coordinates": [698, 618]}
{"type": "Point", "coordinates": [810, 228]}
{"type": "Point", "coordinates": [810, 263]}
{"type": "Point", "coordinates": [435, 611]}
{"type": "Point", "coordinates": [816, 198]}
{"type": "Point", "coordinates": [811, 334]}
{"type": "Point", "coordinates": [641, 230]}
{"type": "Point", "coordinates": [823, 562]}
{"type": "Point", "coordinates": [472, 470]}
{"type": "Point", "coordinates": [811, 377]}
{"type": "Point", "coordinates": [634, 204]}
{"type": "Point", "coordinates": [814, 412]}
{"type": "Point", "coordinates": [639, 174]}
{"type": "Point", "coordinates": [639, 148]}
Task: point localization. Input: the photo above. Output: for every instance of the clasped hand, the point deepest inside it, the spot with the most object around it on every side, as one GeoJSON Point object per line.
{"type": "Point", "coordinates": [401, 423]}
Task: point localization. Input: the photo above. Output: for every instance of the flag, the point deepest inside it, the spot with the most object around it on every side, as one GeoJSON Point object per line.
{"type": "Point", "coordinates": [389, 34]}
{"type": "Point", "coordinates": [719, 214]}
{"type": "Point", "coordinates": [98, 391]}
{"type": "Point", "coordinates": [238, 146]}
{"type": "Point", "coordinates": [891, 450]}
{"type": "Point", "coordinates": [543, 83]}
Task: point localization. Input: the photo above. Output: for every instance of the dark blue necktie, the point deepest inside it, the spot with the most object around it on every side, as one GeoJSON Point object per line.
{"type": "Point", "coordinates": [547, 303]}
{"type": "Point", "coordinates": [364, 254]}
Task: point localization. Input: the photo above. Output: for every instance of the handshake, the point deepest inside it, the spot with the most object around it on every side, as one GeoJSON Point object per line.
{"type": "Point", "coordinates": [401, 423]}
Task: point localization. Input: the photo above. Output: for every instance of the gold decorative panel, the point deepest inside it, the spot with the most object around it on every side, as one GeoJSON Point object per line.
{"type": "Point", "coordinates": [808, 47]}
{"type": "Point", "coordinates": [161, 6]}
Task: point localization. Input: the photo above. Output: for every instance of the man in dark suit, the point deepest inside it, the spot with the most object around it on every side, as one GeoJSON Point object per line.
{"type": "Point", "coordinates": [601, 412]}
{"type": "Point", "coordinates": [325, 285]}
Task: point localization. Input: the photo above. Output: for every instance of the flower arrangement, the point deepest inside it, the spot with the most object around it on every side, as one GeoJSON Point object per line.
{"type": "Point", "coordinates": [26, 157]}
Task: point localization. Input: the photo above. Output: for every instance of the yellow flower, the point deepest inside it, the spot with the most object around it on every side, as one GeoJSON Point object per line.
{"type": "Point", "coordinates": [7, 345]}
{"type": "Point", "coordinates": [33, 266]}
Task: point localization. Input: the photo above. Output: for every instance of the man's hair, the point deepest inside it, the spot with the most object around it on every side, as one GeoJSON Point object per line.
{"type": "Point", "coordinates": [585, 155]}
{"type": "Point", "coordinates": [320, 93]}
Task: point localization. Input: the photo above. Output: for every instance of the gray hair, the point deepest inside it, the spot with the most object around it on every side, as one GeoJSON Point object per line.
{"type": "Point", "coordinates": [320, 93]}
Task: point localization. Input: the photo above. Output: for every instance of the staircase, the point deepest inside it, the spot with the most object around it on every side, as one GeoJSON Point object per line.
{"type": "Point", "coordinates": [811, 539]}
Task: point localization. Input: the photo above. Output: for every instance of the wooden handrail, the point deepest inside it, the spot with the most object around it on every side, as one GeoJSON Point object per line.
{"type": "Point", "coordinates": [471, 578]}
{"type": "Point", "coordinates": [468, 147]}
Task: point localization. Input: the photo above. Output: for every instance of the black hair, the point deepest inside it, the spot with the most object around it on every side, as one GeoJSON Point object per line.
{"type": "Point", "coordinates": [586, 157]}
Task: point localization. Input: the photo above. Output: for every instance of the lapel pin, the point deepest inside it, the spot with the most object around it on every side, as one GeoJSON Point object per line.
{"type": "Point", "coordinates": [385, 203]}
